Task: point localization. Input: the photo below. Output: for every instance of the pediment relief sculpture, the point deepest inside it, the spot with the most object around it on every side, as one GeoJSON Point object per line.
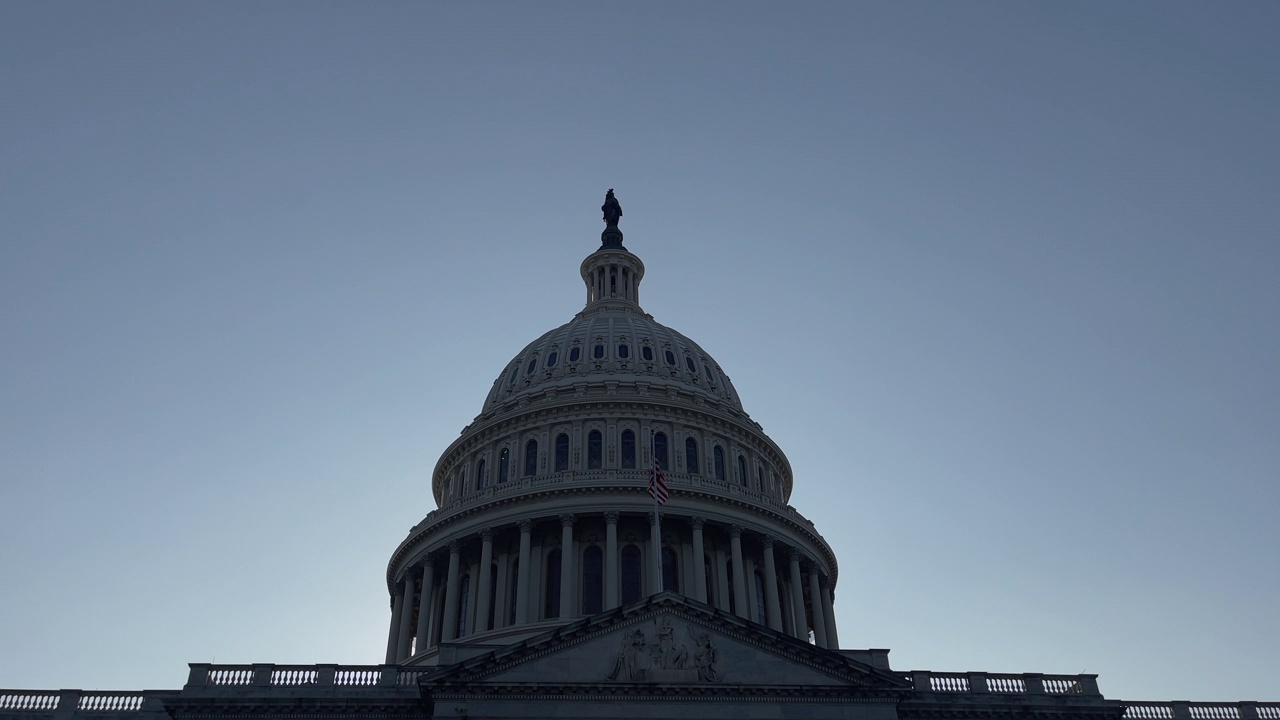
{"type": "Point", "coordinates": [661, 654]}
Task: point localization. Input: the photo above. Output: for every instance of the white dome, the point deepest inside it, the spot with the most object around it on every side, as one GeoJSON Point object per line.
{"type": "Point", "coordinates": [612, 341]}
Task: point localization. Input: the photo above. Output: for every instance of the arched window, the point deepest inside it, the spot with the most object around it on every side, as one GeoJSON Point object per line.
{"type": "Point", "coordinates": [514, 370]}
{"type": "Point", "coordinates": [628, 449]}
{"type": "Point", "coordinates": [480, 475]}
{"type": "Point", "coordinates": [688, 363]}
{"type": "Point", "coordinates": [597, 352]}
{"type": "Point", "coordinates": [670, 570]}
{"type": "Point", "coordinates": [512, 583]}
{"type": "Point", "coordinates": [758, 584]}
{"type": "Point", "coordinates": [552, 358]}
{"type": "Point", "coordinates": [623, 351]}
{"type": "Point", "coordinates": [718, 456]}
{"type": "Point", "coordinates": [733, 601]}
{"type": "Point", "coordinates": [631, 562]}
{"type": "Point", "coordinates": [504, 465]}
{"type": "Point", "coordinates": [742, 471]}
{"type": "Point", "coordinates": [592, 580]}
{"type": "Point", "coordinates": [464, 595]}
{"type": "Point", "coordinates": [575, 354]}
{"type": "Point", "coordinates": [493, 596]}
{"type": "Point", "coordinates": [660, 450]}
{"type": "Point", "coordinates": [531, 458]}
{"type": "Point", "coordinates": [669, 356]}
{"type": "Point", "coordinates": [711, 595]}
{"type": "Point", "coordinates": [552, 608]}
{"type": "Point", "coordinates": [595, 450]}
{"type": "Point", "coordinates": [691, 456]}
{"type": "Point", "coordinates": [646, 352]}
{"type": "Point", "coordinates": [562, 452]}
{"type": "Point", "coordinates": [533, 365]}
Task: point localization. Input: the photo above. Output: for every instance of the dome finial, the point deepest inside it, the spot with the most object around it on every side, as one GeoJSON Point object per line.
{"type": "Point", "coordinates": [612, 236]}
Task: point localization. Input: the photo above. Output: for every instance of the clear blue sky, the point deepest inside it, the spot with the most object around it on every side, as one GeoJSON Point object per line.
{"type": "Point", "coordinates": [998, 277]}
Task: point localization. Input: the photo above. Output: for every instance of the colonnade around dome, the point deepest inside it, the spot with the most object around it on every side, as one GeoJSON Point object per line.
{"type": "Point", "coordinates": [443, 595]}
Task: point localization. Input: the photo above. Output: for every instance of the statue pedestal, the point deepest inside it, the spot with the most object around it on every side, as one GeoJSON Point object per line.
{"type": "Point", "coordinates": [611, 238]}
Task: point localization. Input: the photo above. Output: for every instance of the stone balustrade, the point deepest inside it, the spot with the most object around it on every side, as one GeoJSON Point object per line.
{"type": "Point", "coordinates": [266, 680]}
{"type": "Point", "coordinates": [1006, 684]}
{"type": "Point", "coordinates": [609, 479]}
{"type": "Point", "coordinates": [1181, 710]}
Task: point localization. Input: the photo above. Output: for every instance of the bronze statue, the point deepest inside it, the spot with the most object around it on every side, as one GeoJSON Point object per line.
{"type": "Point", "coordinates": [612, 210]}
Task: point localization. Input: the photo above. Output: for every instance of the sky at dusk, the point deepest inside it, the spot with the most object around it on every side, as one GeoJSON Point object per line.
{"type": "Point", "coordinates": [999, 278]}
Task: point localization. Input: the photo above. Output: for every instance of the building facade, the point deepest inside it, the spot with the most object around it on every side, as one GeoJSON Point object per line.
{"type": "Point", "coordinates": [550, 583]}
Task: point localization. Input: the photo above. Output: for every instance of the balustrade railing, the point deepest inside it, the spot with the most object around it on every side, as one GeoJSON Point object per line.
{"type": "Point", "coordinates": [606, 479]}
{"type": "Point", "coordinates": [371, 678]}
{"type": "Point", "coordinates": [28, 700]}
{"type": "Point", "coordinates": [1181, 710]}
{"type": "Point", "coordinates": [1007, 684]}
{"type": "Point", "coordinates": [111, 701]}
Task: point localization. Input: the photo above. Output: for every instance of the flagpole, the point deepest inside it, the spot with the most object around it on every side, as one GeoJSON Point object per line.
{"type": "Point", "coordinates": [657, 513]}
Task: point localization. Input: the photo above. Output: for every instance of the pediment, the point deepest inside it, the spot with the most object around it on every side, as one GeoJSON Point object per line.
{"type": "Point", "coordinates": [667, 640]}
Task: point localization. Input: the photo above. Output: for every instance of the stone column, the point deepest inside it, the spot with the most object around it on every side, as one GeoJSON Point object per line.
{"type": "Point", "coordinates": [829, 610]}
{"type": "Point", "coordinates": [451, 595]}
{"type": "Point", "coordinates": [611, 600]}
{"type": "Point", "coordinates": [797, 598]}
{"type": "Point", "coordinates": [394, 633]}
{"type": "Point", "coordinates": [406, 609]}
{"type": "Point", "coordinates": [424, 605]}
{"type": "Point", "coordinates": [566, 566]}
{"type": "Point", "coordinates": [522, 573]}
{"type": "Point", "coordinates": [486, 577]}
{"type": "Point", "coordinates": [815, 603]}
{"type": "Point", "coordinates": [739, 573]}
{"type": "Point", "coordinates": [773, 614]}
{"type": "Point", "coordinates": [699, 562]}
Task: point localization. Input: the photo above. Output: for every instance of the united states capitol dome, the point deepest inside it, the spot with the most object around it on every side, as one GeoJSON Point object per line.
{"type": "Point", "coordinates": [546, 508]}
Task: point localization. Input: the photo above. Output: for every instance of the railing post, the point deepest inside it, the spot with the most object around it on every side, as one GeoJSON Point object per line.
{"type": "Point", "coordinates": [262, 674]}
{"type": "Point", "coordinates": [1034, 682]}
{"type": "Point", "coordinates": [325, 674]}
{"type": "Point", "coordinates": [390, 673]}
{"type": "Point", "coordinates": [978, 682]}
{"type": "Point", "coordinates": [1089, 685]}
{"type": "Point", "coordinates": [199, 675]}
{"type": "Point", "coordinates": [68, 700]}
{"type": "Point", "coordinates": [920, 680]}
{"type": "Point", "coordinates": [1248, 710]}
{"type": "Point", "coordinates": [1181, 709]}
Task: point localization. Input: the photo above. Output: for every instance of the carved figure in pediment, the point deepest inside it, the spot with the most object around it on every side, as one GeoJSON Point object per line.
{"type": "Point", "coordinates": [704, 656]}
{"type": "Point", "coordinates": [629, 665]}
{"type": "Point", "coordinates": [666, 654]}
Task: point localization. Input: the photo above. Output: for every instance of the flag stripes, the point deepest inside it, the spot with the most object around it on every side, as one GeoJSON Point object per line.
{"type": "Point", "coordinates": [657, 485]}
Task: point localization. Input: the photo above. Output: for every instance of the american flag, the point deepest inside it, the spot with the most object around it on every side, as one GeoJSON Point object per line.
{"type": "Point", "coordinates": [657, 485]}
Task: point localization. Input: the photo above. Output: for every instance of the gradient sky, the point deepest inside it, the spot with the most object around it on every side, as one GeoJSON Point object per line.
{"type": "Point", "coordinates": [1000, 278]}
